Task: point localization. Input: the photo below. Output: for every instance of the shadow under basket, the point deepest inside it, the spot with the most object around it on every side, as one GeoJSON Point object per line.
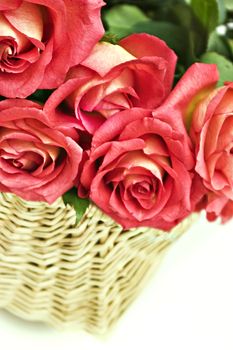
{"type": "Point", "coordinates": [73, 275]}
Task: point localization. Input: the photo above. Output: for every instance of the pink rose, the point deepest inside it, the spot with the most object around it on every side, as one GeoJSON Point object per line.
{"type": "Point", "coordinates": [197, 85]}
{"type": "Point", "coordinates": [138, 72]}
{"type": "Point", "coordinates": [138, 171]}
{"type": "Point", "coordinates": [41, 39]}
{"type": "Point", "coordinates": [212, 134]}
{"type": "Point", "coordinates": [39, 160]}
{"type": "Point", "coordinates": [208, 115]}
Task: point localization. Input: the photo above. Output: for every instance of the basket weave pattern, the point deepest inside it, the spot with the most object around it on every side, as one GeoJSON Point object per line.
{"type": "Point", "coordinates": [68, 274]}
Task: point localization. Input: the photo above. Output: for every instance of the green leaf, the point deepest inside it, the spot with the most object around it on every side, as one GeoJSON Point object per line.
{"type": "Point", "coordinates": [209, 12]}
{"type": "Point", "coordinates": [230, 43]}
{"type": "Point", "coordinates": [219, 44]}
{"type": "Point", "coordinates": [180, 70]}
{"type": "Point", "coordinates": [79, 204]}
{"type": "Point", "coordinates": [221, 11]}
{"type": "Point", "coordinates": [172, 34]}
{"type": "Point", "coordinates": [228, 5]}
{"type": "Point", "coordinates": [194, 35]}
{"type": "Point", "coordinates": [138, 22]}
{"type": "Point", "coordinates": [40, 95]}
{"type": "Point", "coordinates": [225, 67]}
{"type": "Point", "coordinates": [120, 19]}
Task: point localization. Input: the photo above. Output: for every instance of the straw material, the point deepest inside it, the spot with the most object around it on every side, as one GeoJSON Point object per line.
{"type": "Point", "coordinates": [68, 274]}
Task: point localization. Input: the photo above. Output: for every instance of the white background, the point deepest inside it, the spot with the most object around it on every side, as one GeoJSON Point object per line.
{"type": "Point", "coordinates": [186, 305]}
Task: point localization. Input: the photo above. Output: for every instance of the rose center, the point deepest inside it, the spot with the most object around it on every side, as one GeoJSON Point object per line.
{"type": "Point", "coordinates": [17, 163]}
{"type": "Point", "coordinates": [8, 48]}
{"type": "Point", "coordinates": [142, 188]}
{"type": "Point", "coordinates": [27, 161]}
{"type": "Point", "coordinates": [21, 41]}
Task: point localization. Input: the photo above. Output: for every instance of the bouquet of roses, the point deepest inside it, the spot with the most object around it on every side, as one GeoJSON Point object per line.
{"type": "Point", "coordinates": [138, 120]}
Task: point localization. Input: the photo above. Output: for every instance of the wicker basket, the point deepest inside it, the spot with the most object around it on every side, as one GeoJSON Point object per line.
{"type": "Point", "coordinates": [72, 275]}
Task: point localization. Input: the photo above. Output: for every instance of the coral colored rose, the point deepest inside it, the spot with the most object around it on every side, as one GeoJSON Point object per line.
{"type": "Point", "coordinates": [138, 170]}
{"type": "Point", "coordinates": [195, 100]}
{"type": "Point", "coordinates": [41, 39]}
{"type": "Point", "coordinates": [39, 160]}
{"type": "Point", "coordinates": [138, 72]}
{"type": "Point", "coordinates": [212, 134]}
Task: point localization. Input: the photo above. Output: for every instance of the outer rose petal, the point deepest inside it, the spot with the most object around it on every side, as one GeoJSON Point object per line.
{"type": "Point", "coordinates": [8, 30]}
{"type": "Point", "coordinates": [84, 27]}
{"type": "Point", "coordinates": [9, 5]}
{"type": "Point", "coordinates": [218, 206]}
{"type": "Point", "coordinates": [141, 45]}
{"type": "Point", "coordinates": [113, 126]}
{"type": "Point", "coordinates": [113, 55]}
{"type": "Point", "coordinates": [203, 111]}
{"type": "Point", "coordinates": [227, 212]}
{"type": "Point", "coordinates": [27, 19]}
{"type": "Point", "coordinates": [198, 81]}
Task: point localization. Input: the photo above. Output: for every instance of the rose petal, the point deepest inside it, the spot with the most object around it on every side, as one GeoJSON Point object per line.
{"type": "Point", "coordinates": [113, 56]}
{"type": "Point", "coordinates": [27, 19]}
{"type": "Point", "coordinates": [141, 45]}
{"type": "Point", "coordinates": [197, 82]}
{"type": "Point", "coordinates": [7, 30]}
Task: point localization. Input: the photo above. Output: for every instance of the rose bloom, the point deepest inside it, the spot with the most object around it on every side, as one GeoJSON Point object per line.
{"type": "Point", "coordinates": [212, 134]}
{"type": "Point", "coordinates": [208, 115]}
{"type": "Point", "coordinates": [138, 72]}
{"type": "Point", "coordinates": [39, 159]}
{"type": "Point", "coordinates": [138, 170]}
{"type": "Point", "coordinates": [41, 39]}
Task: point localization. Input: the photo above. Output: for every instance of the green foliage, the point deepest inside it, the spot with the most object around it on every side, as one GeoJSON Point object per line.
{"type": "Point", "coordinates": [145, 4]}
{"type": "Point", "coordinates": [228, 5]}
{"type": "Point", "coordinates": [230, 43]}
{"type": "Point", "coordinates": [40, 95]}
{"type": "Point", "coordinates": [220, 44]}
{"type": "Point", "coordinates": [210, 13]}
{"type": "Point", "coordinates": [79, 204]}
{"type": "Point", "coordinates": [137, 22]}
{"type": "Point", "coordinates": [182, 41]}
{"type": "Point", "coordinates": [123, 18]}
{"type": "Point", "coordinates": [225, 67]}
{"type": "Point", "coordinates": [195, 37]}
